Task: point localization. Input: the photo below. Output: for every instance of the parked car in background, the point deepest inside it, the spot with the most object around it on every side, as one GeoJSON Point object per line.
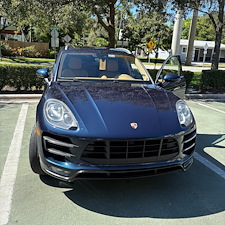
{"type": "Point", "coordinates": [102, 116]}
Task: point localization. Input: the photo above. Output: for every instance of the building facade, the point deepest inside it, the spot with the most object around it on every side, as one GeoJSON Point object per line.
{"type": "Point", "coordinates": [198, 51]}
{"type": "Point", "coordinates": [8, 32]}
{"type": "Point", "coordinates": [200, 47]}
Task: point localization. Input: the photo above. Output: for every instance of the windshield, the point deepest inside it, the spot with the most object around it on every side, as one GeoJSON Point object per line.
{"type": "Point", "coordinates": [92, 66]}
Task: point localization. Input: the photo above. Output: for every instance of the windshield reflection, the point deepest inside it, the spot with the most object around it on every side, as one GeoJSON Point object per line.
{"type": "Point", "coordinates": [94, 66]}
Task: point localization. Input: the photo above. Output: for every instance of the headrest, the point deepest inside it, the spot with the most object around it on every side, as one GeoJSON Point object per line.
{"type": "Point", "coordinates": [75, 63]}
{"type": "Point", "coordinates": [112, 65]}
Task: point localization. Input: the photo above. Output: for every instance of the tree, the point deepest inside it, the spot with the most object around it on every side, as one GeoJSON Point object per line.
{"type": "Point", "coordinates": [23, 15]}
{"type": "Point", "coordinates": [104, 10]}
{"type": "Point", "coordinates": [142, 29]}
{"type": "Point", "coordinates": [215, 11]}
{"type": "Point", "coordinates": [97, 35]}
{"type": "Point", "coordinates": [204, 31]}
{"type": "Point", "coordinates": [16, 11]}
{"type": "Point", "coordinates": [218, 21]}
{"type": "Point", "coordinates": [186, 28]}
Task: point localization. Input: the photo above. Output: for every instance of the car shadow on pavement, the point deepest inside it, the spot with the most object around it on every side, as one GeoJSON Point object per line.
{"type": "Point", "coordinates": [210, 140]}
{"type": "Point", "coordinates": [197, 192]}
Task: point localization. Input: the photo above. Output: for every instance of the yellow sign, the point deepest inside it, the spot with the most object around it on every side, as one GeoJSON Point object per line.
{"type": "Point", "coordinates": [150, 44]}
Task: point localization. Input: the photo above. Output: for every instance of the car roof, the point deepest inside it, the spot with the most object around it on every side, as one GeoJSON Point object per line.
{"type": "Point", "coordinates": [100, 50]}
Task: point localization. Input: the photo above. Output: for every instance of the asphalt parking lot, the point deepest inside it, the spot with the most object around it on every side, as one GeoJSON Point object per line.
{"type": "Point", "coordinates": [194, 197]}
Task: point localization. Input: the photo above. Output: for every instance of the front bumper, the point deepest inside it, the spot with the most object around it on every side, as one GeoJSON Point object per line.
{"type": "Point", "coordinates": [63, 157]}
{"type": "Point", "coordinates": [126, 172]}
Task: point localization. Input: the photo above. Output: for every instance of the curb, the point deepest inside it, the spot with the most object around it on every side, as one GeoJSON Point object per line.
{"type": "Point", "coordinates": [8, 97]}
{"type": "Point", "coordinates": [205, 96]}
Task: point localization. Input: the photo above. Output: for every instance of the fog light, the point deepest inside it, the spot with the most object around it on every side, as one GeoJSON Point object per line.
{"type": "Point", "coordinates": [60, 171]}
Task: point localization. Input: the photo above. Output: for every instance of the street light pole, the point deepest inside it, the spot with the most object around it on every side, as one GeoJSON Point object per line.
{"type": "Point", "coordinates": [175, 46]}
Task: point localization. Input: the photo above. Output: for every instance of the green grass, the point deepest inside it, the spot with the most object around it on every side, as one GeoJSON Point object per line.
{"type": "Point", "coordinates": [23, 65]}
{"type": "Point", "coordinates": [26, 60]}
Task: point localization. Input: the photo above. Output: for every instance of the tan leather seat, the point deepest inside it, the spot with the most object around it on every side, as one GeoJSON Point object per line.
{"type": "Point", "coordinates": [74, 68]}
{"type": "Point", "coordinates": [112, 69]}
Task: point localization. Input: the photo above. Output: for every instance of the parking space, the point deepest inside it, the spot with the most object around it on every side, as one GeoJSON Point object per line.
{"type": "Point", "coordinates": [194, 197]}
{"type": "Point", "coordinates": [8, 118]}
{"type": "Point", "coordinates": [210, 117]}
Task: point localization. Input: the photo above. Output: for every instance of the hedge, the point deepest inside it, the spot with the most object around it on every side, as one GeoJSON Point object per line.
{"type": "Point", "coordinates": [153, 73]}
{"type": "Point", "coordinates": [21, 77]}
{"type": "Point", "coordinates": [152, 60]}
{"type": "Point", "coordinates": [212, 79]}
{"type": "Point", "coordinates": [188, 75]}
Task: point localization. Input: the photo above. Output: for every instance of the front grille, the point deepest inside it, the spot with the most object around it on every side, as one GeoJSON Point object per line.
{"type": "Point", "coordinates": [130, 151]}
{"type": "Point", "coordinates": [118, 152]}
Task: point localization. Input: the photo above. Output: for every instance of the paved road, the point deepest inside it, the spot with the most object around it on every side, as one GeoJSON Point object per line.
{"type": "Point", "coordinates": [195, 197]}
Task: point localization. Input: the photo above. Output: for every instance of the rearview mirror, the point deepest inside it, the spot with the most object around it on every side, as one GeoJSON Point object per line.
{"type": "Point", "coordinates": [171, 77]}
{"type": "Point", "coordinates": [43, 73]}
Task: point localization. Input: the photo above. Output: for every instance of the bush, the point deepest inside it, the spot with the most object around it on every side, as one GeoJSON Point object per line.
{"type": "Point", "coordinates": [5, 48]}
{"type": "Point", "coordinates": [51, 54]}
{"type": "Point", "coordinates": [21, 77]}
{"type": "Point", "coordinates": [212, 79]}
{"type": "Point", "coordinates": [30, 51]}
{"type": "Point", "coordinates": [188, 75]}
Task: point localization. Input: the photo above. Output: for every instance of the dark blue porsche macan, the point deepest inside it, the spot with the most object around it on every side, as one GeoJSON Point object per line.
{"type": "Point", "coordinates": [102, 116]}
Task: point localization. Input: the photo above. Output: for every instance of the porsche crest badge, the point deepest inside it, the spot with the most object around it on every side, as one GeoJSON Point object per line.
{"type": "Point", "coordinates": [134, 125]}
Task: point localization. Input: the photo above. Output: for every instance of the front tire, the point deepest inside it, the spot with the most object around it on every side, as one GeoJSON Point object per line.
{"type": "Point", "coordinates": [33, 154]}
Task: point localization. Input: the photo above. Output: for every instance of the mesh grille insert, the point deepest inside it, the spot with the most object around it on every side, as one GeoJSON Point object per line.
{"type": "Point", "coordinates": [130, 151]}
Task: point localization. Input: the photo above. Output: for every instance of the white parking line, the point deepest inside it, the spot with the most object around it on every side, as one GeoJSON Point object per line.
{"type": "Point", "coordinates": [217, 110]}
{"type": "Point", "coordinates": [10, 169]}
{"type": "Point", "coordinates": [210, 165]}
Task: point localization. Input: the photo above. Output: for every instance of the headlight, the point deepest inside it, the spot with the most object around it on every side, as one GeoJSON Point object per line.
{"type": "Point", "coordinates": [184, 113]}
{"type": "Point", "coordinates": [59, 115]}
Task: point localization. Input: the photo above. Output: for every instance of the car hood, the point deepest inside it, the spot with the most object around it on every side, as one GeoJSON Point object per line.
{"type": "Point", "coordinates": [109, 109]}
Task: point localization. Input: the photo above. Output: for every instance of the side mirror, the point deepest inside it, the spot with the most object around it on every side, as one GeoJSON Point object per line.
{"type": "Point", "coordinates": [43, 73]}
{"type": "Point", "coordinates": [171, 77]}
